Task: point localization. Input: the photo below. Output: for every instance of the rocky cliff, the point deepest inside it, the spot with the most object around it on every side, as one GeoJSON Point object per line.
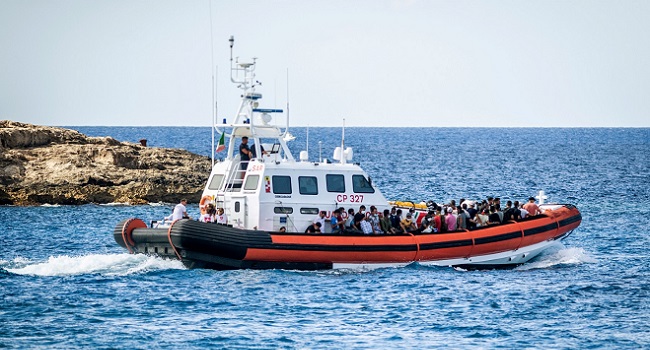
{"type": "Point", "coordinates": [40, 164]}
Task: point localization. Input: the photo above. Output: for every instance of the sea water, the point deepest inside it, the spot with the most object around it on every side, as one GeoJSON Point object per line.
{"type": "Point", "coordinates": [65, 283]}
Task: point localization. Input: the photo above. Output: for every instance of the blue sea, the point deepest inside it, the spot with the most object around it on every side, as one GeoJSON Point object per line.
{"type": "Point", "coordinates": [65, 283]}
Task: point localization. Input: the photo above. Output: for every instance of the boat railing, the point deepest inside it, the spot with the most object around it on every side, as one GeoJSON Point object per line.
{"type": "Point", "coordinates": [235, 176]}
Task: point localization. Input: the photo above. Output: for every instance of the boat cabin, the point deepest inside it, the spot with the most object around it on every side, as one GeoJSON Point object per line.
{"type": "Point", "coordinates": [273, 189]}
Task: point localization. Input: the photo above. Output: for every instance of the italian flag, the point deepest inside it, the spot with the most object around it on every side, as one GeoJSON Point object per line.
{"type": "Point", "coordinates": [222, 142]}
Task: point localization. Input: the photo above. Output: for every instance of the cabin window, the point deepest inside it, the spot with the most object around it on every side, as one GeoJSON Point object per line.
{"type": "Point", "coordinates": [335, 183]}
{"type": "Point", "coordinates": [309, 211]}
{"type": "Point", "coordinates": [281, 184]}
{"type": "Point", "coordinates": [361, 185]}
{"type": "Point", "coordinates": [251, 182]}
{"type": "Point", "coordinates": [237, 207]}
{"type": "Point", "coordinates": [283, 210]}
{"type": "Point", "coordinates": [215, 182]}
{"type": "Point", "coordinates": [308, 184]}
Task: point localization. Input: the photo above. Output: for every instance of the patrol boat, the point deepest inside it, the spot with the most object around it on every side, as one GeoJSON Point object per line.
{"type": "Point", "coordinates": [273, 192]}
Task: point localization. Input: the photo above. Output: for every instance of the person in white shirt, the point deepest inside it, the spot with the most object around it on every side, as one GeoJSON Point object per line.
{"type": "Point", "coordinates": [321, 219]}
{"type": "Point", "coordinates": [180, 212]}
{"type": "Point", "coordinates": [210, 214]}
{"type": "Point", "coordinates": [221, 217]}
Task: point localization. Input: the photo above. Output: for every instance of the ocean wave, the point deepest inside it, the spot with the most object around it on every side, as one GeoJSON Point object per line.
{"type": "Point", "coordinates": [562, 257]}
{"type": "Point", "coordinates": [104, 264]}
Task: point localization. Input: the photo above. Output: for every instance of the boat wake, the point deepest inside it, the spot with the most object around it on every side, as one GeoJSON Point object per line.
{"type": "Point", "coordinates": [558, 258]}
{"type": "Point", "coordinates": [103, 264]}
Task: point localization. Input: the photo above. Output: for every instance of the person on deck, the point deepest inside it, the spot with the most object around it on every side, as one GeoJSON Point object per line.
{"type": "Point", "coordinates": [450, 219]}
{"type": "Point", "coordinates": [245, 153]}
{"type": "Point", "coordinates": [349, 223]}
{"type": "Point", "coordinates": [222, 219]}
{"type": "Point", "coordinates": [360, 216]}
{"type": "Point", "coordinates": [321, 219]}
{"type": "Point", "coordinates": [493, 218]}
{"type": "Point", "coordinates": [366, 226]}
{"type": "Point", "coordinates": [210, 214]}
{"type": "Point", "coordinates": [180, 211]}
{"type": "Point", "coordinates": [313, 228]}
{"type": "Point", "coordinates": [407, 224]}
{"type": "Point", "coordinates": [531, 207]}
{"type": "Point", "coordinates": [374, 220]}
{"type": "Point", "coordinates": [385, 223]}
{"type": "Point", "coordinates": [336, 222]}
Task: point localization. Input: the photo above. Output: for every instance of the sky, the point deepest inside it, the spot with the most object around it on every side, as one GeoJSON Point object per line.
{"type": "Point", "coordinates": [385, 63]}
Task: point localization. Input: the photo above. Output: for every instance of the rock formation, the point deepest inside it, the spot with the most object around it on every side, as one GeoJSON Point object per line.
{"type": "Point", "coordinates": [40, 164]}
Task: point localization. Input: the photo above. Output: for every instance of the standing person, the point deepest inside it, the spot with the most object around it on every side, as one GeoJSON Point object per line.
{"type": "Point", "coordinates": [359, 216]}
{"type": "Point", "coordinates": [180, 211]}
{"type": "Point", "coordinates": [349, 223]}
{"type": "Point", "coordinates": [437, 220]}
{"type": "Point", "coordinates": [493, 218]}
{"type": "Point", "coordinates": [321, 220]}
{"type": "Point", "coordinates": [516, 212]}
{"type": "Point", "coordinates": [450, 220]}
{"type": "Point", "coordinates": [463, 218]}
{"type": "Point", "coordinates": [531, 207]}
{"type": "Point", "coordinates": [523, 212]}
{"type": "Point", "coordinates": [245, 153]}
{"type": "Point", "coordinates": [222, 219]}
{"type": "Point", "coordinates": [210, 214]}
{"type": "Point", "coordinates": [508, 212]}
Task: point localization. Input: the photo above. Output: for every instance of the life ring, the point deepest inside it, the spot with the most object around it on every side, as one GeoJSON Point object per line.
{"type": "Point", "coordinates": [203, 204]}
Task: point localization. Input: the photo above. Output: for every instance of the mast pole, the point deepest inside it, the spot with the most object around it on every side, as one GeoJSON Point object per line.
{"type": "Point", "coordinates": [343, 143]}
{"type": "Point", "coordinates": [286, 130]}
{"type": "Point", "coordinates": [214, 101]}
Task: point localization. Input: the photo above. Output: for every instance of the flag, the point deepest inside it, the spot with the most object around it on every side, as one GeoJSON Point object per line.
{"type": "Point", "coordinates": [222, 142]}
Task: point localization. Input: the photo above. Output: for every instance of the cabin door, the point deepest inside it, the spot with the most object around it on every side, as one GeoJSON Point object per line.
{"type": "Point", "coordinates": [238, 212]}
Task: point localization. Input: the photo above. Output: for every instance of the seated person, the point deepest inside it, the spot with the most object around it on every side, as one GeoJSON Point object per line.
{"type": "Point", "coordinates": [407, 224]}
{"type": "Point", "coordinates": [337, 223]}
{"type": "Point", "coordinates": [366, 226]}
{"type": "Point", "coordinates": [385, 223]}
{"type": "Point", "coordinates": [314, 228]}
{"type": "Point", "coordinates": [426, 227]}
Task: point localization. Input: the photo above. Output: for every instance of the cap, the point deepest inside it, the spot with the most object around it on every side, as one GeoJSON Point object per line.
{"type": "Point", "coordinates": [449, 210]}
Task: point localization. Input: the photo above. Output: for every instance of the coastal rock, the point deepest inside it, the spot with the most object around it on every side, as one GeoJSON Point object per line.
{"type": "Point", "coordinates": [41, 164]}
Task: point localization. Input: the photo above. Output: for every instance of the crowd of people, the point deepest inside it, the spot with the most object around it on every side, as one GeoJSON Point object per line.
{"type": "Point", "coordinates": [467, 215]}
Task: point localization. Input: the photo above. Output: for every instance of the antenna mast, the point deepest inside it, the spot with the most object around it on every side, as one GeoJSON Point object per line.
{"type": "Point", "coordinates": [214, 89]}
{"type": "Point", "coordinates": [343, 143]}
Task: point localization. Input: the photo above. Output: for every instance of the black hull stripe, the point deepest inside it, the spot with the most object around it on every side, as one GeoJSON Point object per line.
{"type": "Point", "coordinates": [541, 229]}
{"type": "Point", "coordinates": [498, 238]}
{"type": "Point", "coordinates": [443, 245]}
{"type": "Point", "coordinates": [570, 220]}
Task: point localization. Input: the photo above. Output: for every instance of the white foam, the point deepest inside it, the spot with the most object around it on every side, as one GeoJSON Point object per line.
{"type": "Point", "coordinates": [47, 205]}
{"type": "Point", "coordinates": [567, 256]}
{"type": "Point", "coordinates": [105, 264]}
{"type": "Point", "coordinates": [115, 204]}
